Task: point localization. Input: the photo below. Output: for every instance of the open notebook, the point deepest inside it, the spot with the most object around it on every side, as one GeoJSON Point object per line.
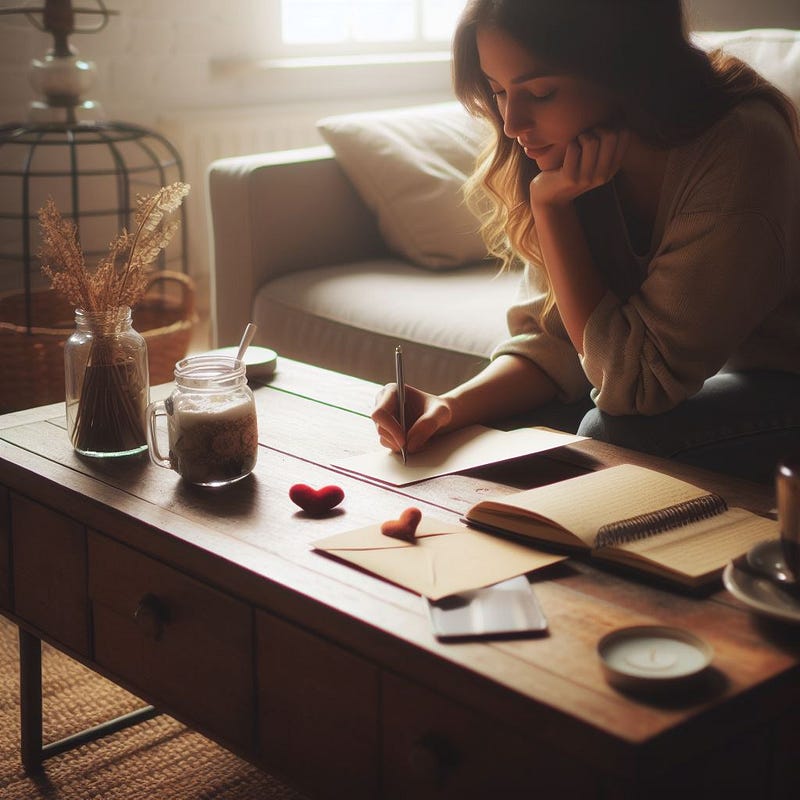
{"type": "Point", "coordinates": [633, 516]}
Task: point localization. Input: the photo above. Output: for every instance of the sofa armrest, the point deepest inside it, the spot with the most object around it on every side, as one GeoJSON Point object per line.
{"type": "Point", "coordinates": [274, 213]}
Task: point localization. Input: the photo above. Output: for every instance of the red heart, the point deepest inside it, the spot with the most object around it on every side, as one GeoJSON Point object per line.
{"type": "Point", "coordinates": [316, 501]}
{"type": "Point", "coordinates": [404, 528]}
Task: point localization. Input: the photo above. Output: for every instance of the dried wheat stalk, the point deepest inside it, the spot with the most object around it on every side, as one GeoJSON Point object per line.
{"type": "Point", "coordinates": [121, 276]}
{"type": "Point", "coordinates": [110, 413]}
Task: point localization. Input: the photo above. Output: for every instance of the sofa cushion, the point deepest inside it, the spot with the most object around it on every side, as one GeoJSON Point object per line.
{"type": "Point", "coordinates": [409, 166]}
{"type": "Point", "coordinates": [350, 317]}
{"type": "Point", "coordinates": [774, 53]}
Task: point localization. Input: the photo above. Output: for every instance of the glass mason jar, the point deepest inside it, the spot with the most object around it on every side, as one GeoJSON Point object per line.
{"type": "Point", "coordinates": [107, 384]}
{"type": "Point", "coordinates": [211, 422]}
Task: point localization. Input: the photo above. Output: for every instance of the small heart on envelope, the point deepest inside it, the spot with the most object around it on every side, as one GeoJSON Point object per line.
{"type": "Point", "coordinates": [404, 528]}
{"type": "Point", "coordinates": [316, 501]}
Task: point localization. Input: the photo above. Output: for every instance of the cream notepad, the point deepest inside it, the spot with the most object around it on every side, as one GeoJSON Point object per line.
{"type": "Point", "coordinates": [467, 448]}
{"type": "Point", "coordinates": [634, 516]}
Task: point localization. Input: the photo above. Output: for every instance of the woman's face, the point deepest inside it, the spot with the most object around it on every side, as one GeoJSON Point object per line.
{"type": "Point", "coordinates": [542, 111]}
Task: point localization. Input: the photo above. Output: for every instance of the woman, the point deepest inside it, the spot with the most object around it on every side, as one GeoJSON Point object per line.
{"type": "Point", "coordinates": [653, 194]}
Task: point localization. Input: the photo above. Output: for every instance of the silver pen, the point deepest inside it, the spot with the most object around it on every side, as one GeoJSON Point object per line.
{"type": "Point", "coordinates": [401, 397]}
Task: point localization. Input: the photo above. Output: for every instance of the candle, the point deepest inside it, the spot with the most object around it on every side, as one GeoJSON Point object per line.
{"type": "Point", "coordinates": [652, 654]}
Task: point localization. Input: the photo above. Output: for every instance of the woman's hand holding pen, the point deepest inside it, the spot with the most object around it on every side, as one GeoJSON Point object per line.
{"type": "Point", "coordinates": [426, 415]}
{"type": "Point", "coordinates": [508, 385]}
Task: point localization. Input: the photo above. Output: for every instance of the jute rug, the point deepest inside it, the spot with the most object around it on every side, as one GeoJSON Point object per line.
{"type": "Point", "coordinates": [157, 760]}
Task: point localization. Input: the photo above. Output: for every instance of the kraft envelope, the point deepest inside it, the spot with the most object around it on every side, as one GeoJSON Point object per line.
{"type": "Point", "coordinates": [445, 559]}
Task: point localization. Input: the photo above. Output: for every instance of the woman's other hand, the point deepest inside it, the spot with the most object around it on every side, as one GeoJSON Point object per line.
{"type": "Point", "coordinates": [426, 415]}
{"type": "Point", "coordinates": [591, 160]}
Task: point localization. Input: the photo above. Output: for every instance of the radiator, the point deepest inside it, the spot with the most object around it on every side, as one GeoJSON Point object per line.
{"type": "Point", "coordinates": [204, 136]}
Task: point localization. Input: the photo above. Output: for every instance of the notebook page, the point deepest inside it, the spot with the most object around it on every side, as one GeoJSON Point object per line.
{"type": "Point", "coordinates": [707, 545]}
{"type": "Point", "coordinates": [584, 504]}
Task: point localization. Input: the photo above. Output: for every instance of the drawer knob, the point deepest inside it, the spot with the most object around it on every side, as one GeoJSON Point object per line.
{"type": "Point", "coordinates": [151, 616]}
{"type": "Point", "coordinates": [432, 759]}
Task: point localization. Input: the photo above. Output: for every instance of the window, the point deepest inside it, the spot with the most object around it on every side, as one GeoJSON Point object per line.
{"type": "Point", "coordinates": [331, 27]}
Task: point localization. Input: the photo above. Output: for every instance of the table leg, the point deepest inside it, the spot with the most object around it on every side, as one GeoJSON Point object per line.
{"type": "Point", "coordinates": [33, 750]}
{"type": "Point", "coordinates": [30, 700]}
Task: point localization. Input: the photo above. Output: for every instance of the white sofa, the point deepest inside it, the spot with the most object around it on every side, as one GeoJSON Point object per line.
{"type": "Point", "coordinates": [340, 252]}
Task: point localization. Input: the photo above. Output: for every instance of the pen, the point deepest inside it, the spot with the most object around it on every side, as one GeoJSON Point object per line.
{"type": "Point", "coordinates": [401, 397]}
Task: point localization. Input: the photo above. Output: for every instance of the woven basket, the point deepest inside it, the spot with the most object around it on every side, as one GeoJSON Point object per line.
{"type": "Point", "coordinates": [32, 359]}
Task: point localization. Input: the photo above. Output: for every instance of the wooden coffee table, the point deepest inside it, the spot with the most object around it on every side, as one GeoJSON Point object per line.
{"type": "Point", "coordinates": [213, 606]}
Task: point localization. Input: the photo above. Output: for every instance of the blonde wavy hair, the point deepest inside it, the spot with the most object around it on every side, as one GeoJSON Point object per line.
{"type": "Point", "coordinates": [669, 92]}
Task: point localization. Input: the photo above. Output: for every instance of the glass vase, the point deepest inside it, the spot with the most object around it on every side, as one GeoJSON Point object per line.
{"type": "Point", "coordinates": [107, 384]}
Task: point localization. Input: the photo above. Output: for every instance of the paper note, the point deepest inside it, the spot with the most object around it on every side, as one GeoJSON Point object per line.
{"type": "Point", "coordinates": [444, 559]}
{"type": "Point", "coordinates": [467, 448]}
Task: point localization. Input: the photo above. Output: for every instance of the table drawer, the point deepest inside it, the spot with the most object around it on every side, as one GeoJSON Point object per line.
{"type": "Point", "coordinates": [5, 548]}
{"type": "Point", "coordinates": [49, 572]}
{"type": "Point", "coordinates": [317, 711]}
{"type": "Point", "coordinates": [435, 747]}
{"type": "Point", "coordinates": [177, 640]}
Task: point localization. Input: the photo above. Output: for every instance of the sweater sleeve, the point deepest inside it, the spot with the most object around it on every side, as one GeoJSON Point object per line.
{"type": "Point", "coordinates": [548, 346]}
{"type": "Point", "coordinates": [713, 281]}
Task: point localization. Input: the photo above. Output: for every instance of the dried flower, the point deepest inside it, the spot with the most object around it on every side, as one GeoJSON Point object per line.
{"type": "Point", "coordinates": [121, 276]}
{"type": "Point", "coordinates": [113, 395]}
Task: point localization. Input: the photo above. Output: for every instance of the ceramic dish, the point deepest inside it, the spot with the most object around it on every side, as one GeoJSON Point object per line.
{"type": "Point", "coordinates": [652, 657]}
{"type": "Point", "coordinates": [260, 362]}
{"type": "Point", "coordinates": [761, 594]}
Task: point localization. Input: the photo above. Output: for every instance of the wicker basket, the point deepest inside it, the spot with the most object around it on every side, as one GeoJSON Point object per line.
{"type": "Point", "coordinates": [32, 360]}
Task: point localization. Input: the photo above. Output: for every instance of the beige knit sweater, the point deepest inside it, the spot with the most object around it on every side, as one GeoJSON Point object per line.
{"type": "Point", "coordinates": [719, 289]}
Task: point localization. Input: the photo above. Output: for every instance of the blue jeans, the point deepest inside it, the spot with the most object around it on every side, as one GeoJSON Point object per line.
{"type": "Point", "coordinates": [740, 424]}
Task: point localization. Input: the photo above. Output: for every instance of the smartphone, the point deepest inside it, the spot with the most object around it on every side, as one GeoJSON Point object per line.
{"type": "Point", "coordinates": [504, 610]}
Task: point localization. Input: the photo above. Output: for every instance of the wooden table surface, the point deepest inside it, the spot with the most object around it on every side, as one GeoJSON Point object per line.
{"type": "Point", "coordinates": [736, 729]}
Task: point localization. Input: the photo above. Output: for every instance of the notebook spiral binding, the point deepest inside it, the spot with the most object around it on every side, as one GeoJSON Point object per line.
{"type": "Point", "coordinates": [665, 519]}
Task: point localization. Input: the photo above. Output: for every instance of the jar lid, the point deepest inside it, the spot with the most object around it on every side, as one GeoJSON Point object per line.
{"type": "Point", "coordinates": [260, 362]}
{"type": "Point", "coordinates": [652, 656]}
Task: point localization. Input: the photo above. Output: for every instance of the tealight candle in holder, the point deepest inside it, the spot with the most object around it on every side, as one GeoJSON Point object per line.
{"type": "Point", "coordinates": [652, 656]}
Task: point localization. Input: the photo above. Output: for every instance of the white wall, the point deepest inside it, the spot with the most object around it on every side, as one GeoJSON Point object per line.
{"type": "Point", "coordinates": [161, 55]}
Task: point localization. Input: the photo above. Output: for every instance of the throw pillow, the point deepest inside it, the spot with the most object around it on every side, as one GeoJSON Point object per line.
{"type": "Point", "coordinates": [409, 166]}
